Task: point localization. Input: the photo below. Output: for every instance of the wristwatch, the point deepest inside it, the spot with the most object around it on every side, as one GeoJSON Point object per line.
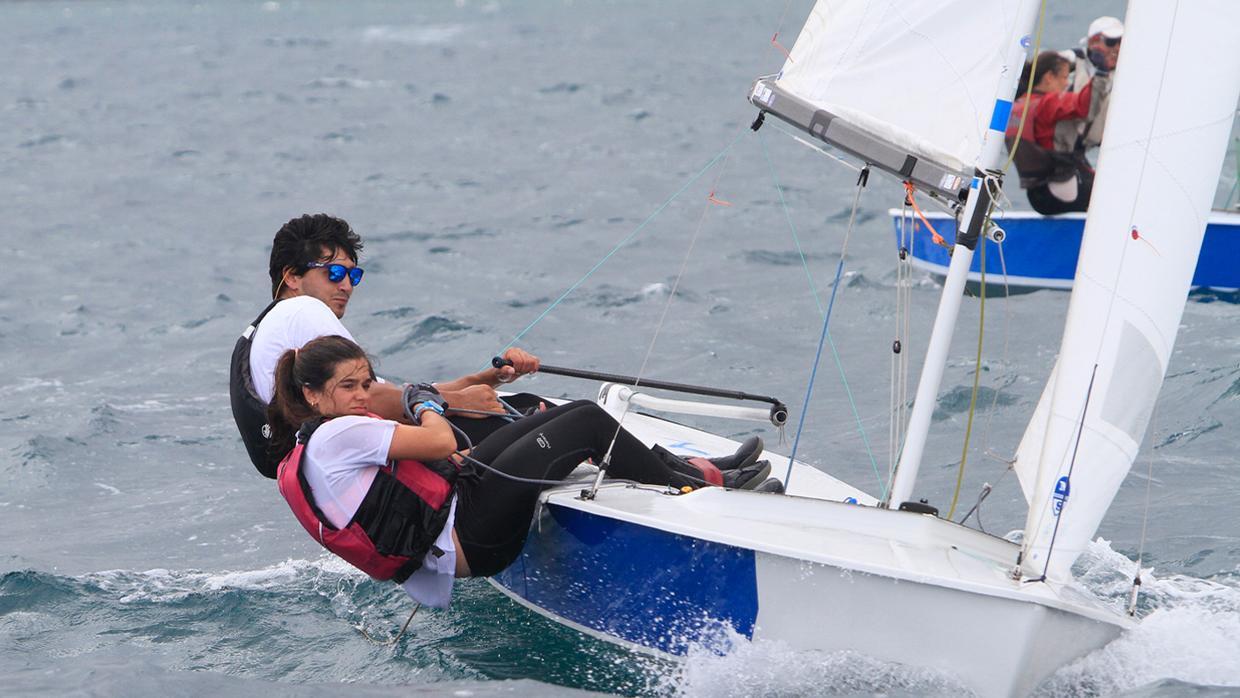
{"type": "Point", "coordinates": [424, 406]}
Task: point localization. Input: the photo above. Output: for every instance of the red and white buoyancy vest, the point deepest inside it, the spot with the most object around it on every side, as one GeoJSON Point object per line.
{"type": "Point", "coordinates": [404, 511]}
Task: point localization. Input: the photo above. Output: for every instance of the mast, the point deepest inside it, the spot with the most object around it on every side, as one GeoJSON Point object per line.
{"type": "Point", "coordinates": [921, 91]}
{"type": "Point", "coordinates": [975, 211]}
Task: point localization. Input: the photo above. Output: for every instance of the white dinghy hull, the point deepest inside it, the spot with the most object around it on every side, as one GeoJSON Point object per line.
{"type": "Point", "coordinates": [664, 572]}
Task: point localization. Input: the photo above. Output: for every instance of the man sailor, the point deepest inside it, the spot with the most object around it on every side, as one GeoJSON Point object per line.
{"type": "Point", "coordinates": [1094, 64]}
{"type": "Point", "coordinates": [314, 271]}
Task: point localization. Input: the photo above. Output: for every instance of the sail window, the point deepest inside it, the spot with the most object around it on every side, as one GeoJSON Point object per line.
{"type": "Point", "coordinates": [1135, 380]}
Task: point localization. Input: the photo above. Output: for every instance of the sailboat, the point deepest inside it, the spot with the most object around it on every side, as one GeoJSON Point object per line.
{"type": "Point", "coordinates": [662, 571]}
{"type": "Point", "coordinates": [1041, 252]}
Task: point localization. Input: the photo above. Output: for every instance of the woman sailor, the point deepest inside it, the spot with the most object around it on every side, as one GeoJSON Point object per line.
{"type": "Point", "coordinates": [1055, 182]}
{"type": "Point", "coordinates": [394, 500]}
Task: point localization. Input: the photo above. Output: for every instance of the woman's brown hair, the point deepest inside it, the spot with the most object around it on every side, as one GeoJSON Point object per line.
{"type": "Point", "coordinates": [311, 366]}
{"type": "Point", "coordinates": [1048, 62]}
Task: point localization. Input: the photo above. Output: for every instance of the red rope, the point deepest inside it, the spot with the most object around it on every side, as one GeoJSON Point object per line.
{"type": "Point", "coordinates": [775, 42]}
{"type": "Point", "coordinates": [934, 234]}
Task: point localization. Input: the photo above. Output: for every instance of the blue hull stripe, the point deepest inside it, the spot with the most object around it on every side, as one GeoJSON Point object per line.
{"type": "Point", "coordinates": [1048, 248]}
{"type": "Point", "coordinates": [649, 587]}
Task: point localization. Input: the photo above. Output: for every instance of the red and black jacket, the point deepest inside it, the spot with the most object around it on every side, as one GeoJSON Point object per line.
{"type": "Point", "coordinates": [1037, 162]}
{"type": "Point", "coordinates": [397, 523]}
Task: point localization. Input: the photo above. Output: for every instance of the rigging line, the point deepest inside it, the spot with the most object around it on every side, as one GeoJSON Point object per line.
{"type": "Point", "coordinates": [1145, 518]}
{"type": "Point", "coordinates": [1071, 465]}
{"type": "Point", "coordinates": [938, 239]}
{"type": "Point", "coordinates": [815, 147]}
{"type": "Point", "coordinates": [817, 300]}
{"type": "Point", "coordinates": [908, 339]}
{"type": "Point", "coordinates": [1007, 317]}
{"type": "Point", "coordinates": [825, 336]}
{"type": "Point", "coordinates": [1149, 139]}
{"type": "Point", "coordinates": [977, 369]}
{"type": "Point", "coordinates": [904, 328]}
{"type": "Point", "coordinates": [904, 304]}
{"type": "Point", "coordinates": [897, 391]}
{"type": "Point", "coordinates": [684, 265]}
{"type": "Point", "coordinates": [1037, 48]}
{"type": "Point", "coordinates": [796, 239]}
{"type": "Point", "coordinates": [1235, 184]}
{"type": "Point", "coordinates": [778, 27]}
{"type": "Point", "coordinates": [626, 239]}
{"type": "Point", "coordinates": [362, 629]}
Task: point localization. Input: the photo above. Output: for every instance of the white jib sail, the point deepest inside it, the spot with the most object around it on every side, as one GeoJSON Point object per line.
{"type": "Point", "coordinates": [1166, 133]}
{"type": "Point", "coordinates": [920, 75]}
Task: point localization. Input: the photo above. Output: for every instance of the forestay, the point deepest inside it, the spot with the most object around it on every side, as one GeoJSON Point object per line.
{"type": "Point", "coordinates": [1171, 112]}
{"type": "Point", "coordinates": [909, 87]}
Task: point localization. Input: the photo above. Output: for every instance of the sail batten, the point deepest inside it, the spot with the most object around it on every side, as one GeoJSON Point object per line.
{"type": "Point", "coordinates": [1166, 135]}
{"type": "Point", "coordinates": [909, 87]}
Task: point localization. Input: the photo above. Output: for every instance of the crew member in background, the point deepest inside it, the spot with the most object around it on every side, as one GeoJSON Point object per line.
{"type": "Point", "coordinates": [1055, 182]}
{"type": "Point", "coordinates": [1093, 66]}
{"type": "Point", "coordinates": [314, 271]}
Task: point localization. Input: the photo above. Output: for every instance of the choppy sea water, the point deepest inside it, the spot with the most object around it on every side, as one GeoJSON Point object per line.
{"type": "Point", "coordinates": [490, 154]}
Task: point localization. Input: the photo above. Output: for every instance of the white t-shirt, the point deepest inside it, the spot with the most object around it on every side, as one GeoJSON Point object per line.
{"type": "Point", "coordinates": [340, 464]}
{"type": "Point", "coordinates": [289, 325]}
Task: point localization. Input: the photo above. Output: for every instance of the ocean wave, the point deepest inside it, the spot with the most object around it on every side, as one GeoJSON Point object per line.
{"type": "Point", "coordinates": [1189, 636]}
{"type": "Point", "coordinates": [770, 668]}
{"type": "Point", "coordinates": [435, 327]}
{"type": "Point", "coordinates": [219, 620]}
{"type": "Point", "coordinates": [345, 82]}
{"type": "Point", "coordinates": [424, 35]}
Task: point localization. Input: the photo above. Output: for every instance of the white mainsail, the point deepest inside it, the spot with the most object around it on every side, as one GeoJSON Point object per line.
{"type": "Point", "coordinates": [1171, 112]}
{"type": "Point", "coordinates": [921, 77]}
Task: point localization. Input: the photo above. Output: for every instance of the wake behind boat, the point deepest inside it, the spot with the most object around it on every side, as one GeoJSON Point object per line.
{"type": "Point", "coordinates": [827, 567]}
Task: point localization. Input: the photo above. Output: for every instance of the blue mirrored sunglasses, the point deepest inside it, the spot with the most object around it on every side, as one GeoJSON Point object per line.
{"type": "Point", "coordinates": [337, 272]}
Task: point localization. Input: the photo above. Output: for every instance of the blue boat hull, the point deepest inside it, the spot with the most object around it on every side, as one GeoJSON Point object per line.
{"type": "Point", "coordinates": [1041, 252]}
{"type": "Point", "coordinates": [654, 589]}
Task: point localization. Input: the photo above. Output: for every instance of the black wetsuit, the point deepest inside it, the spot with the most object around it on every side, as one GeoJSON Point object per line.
{"type": "Point", "coordinates": [478, 429]}
{"type": "Point", "coordinates": [493, 513]}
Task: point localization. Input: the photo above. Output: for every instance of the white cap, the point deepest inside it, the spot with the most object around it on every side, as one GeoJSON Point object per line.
{"type": "Point", "coordinates": [1109, 27]}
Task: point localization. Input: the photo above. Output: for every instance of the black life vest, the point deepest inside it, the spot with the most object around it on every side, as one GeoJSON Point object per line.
{"type": "Point", "coordinates": [248, 409]}
{"type": "Point", "coordinates": [404, 511]}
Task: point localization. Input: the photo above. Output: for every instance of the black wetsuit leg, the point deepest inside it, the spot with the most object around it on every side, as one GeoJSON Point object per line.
{"type": "Point", "coordinates": [479, 429]}
{"type": "Point", "coordinates": [493, 514]}
{"type": "Point", "coordinates": [1047, 204]}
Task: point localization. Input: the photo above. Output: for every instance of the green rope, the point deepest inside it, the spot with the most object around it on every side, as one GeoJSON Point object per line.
{"type": "Point", "coordinates": [852, 403]}
{"type": "Point", "coordinates": [977, 371]}
{"type": "Point", "coordinates": [1037, 46]}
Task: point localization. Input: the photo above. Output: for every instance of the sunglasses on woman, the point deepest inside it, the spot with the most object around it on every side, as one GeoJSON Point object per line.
{"type": "Point", "coordinates": [337, 272]}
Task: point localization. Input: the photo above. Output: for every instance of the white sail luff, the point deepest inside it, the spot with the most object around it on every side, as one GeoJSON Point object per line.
{"type": "Point", "coordinates": [1166, 136]}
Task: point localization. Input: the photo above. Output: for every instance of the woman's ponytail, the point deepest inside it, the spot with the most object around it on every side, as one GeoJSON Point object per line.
{"type": "Point", "coordinates": [288, 408]}
{"type": "Point", "coordinates": [309, 367]}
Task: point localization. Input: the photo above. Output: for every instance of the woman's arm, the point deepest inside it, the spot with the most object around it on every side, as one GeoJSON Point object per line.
{"type": "Point", "coordinates": [1067, 105]}
{"type": "Point", "coordinates": [433, 440]}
